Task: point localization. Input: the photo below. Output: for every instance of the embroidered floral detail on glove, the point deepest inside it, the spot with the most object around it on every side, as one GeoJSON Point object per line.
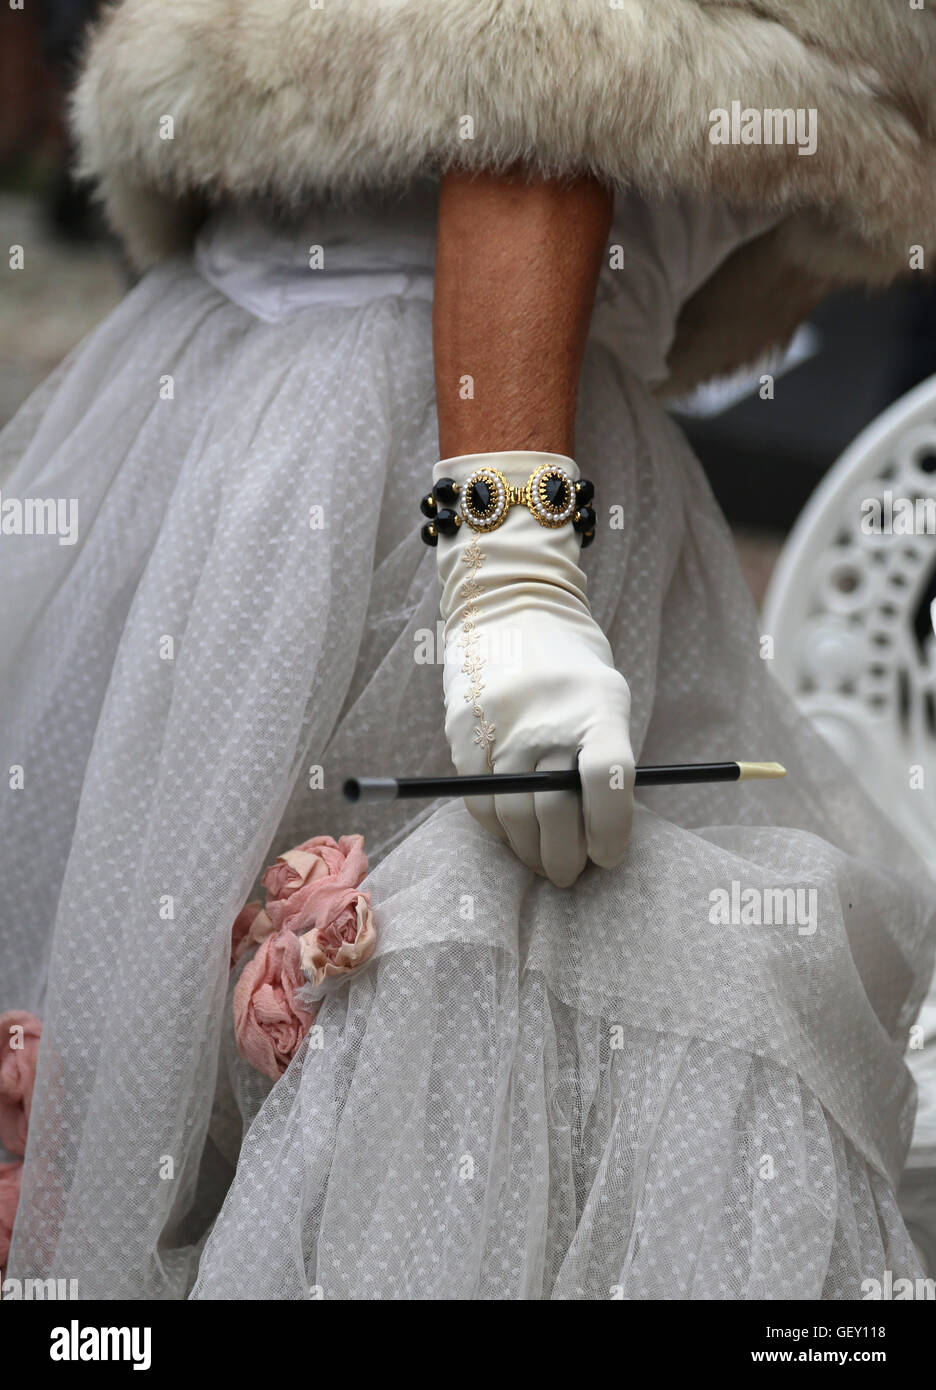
{"type": "Point", "coordinates": [316, 925]}
{"type": "Point", "coordinates": [473, 664]}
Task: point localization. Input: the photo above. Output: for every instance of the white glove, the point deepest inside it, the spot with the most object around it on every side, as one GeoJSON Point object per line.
{"type": "Point", "coordinates": [530, 683]}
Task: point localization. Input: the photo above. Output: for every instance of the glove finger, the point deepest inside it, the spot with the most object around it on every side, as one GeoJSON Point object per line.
{"type": "Point", "coordinates": [606, 767]}
{"type": "Point", "coordinates": [482, 809]}
{"type": "Point", "coordinates": [563, 850]}
{"type": "Point", "coordinates": [517, 815]}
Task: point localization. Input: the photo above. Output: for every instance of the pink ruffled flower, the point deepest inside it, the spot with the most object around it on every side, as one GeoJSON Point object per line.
{"type": "Point", "coordinates": [19, 1053]}
{"type": "Point", "coordinates": [338, 934]}
{"type": "Point", "coordinates": [268, 1022]}
{"type": "Point", "coordinates": [313, 889]}
{"type": "Point", "coordinates": [10, 1177]}
{"type": "Point", "coordinates": [296, 878]}
{"type": "Point", "coordinates": [251, 926]}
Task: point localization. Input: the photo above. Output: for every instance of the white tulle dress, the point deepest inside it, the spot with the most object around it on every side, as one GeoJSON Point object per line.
{"type": "Point", "coordinates": [526, 1093]}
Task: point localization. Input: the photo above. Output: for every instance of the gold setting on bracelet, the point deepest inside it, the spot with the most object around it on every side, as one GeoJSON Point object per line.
{"type": "Point", "coordinates": [548, 495]}
{"type": "Point", "coordinates": [485, 498]}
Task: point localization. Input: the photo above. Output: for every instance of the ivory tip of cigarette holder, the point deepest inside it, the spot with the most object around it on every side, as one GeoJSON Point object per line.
{"type": "Point", "coordinates": [752, 770]}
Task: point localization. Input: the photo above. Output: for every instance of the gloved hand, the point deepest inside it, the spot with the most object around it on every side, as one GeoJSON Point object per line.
{"type": "Point", "coordinates": [530, 683]}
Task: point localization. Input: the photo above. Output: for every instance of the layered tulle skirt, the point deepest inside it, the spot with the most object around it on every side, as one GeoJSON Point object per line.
{"type": "Point", "coordinates": [623, 1090]}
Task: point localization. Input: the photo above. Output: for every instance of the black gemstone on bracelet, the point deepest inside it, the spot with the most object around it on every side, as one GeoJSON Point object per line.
{"type": "Point", "coordinates": [584, 519]}
{"type": "Point", "coordinates": [429, 533]}
{"type": "Point", "coordinates": [479, 497]}
{"type": "Point", "coordinates": [428, 505]}
{"type": "Point", "coordinates": [557, 492]}
{"type": "Point", "coordinates": [584, 491]}
{"type": "Point", "coordinates": [447, 522]}
{"type": "Point", "coordinates": [587, 539]}
{"type": "Point", "coordinates": [446, 491]}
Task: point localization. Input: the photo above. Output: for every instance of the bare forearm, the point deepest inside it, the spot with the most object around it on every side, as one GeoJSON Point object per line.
{"type": "Point", "coordinates": [516, 268]}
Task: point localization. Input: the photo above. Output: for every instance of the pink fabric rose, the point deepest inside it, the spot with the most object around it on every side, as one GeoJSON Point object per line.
{"type": "Point", "coordinates": [10, 1176]}
{"type": "Point", "coordinates": [297, 877]}
{"type": "Point", "coordinates": [251, 926]}
{"type": "Point", "coordinates": [268, 1022]}
{"type": "Point", "coordinates": [339, 933]}
{"type": "Point", "coordinates": [19, 1052]}
{"type": "Point", "coordinates": [312, 889]}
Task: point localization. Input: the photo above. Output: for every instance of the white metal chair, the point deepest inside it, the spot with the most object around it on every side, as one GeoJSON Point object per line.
{"type": "Point", "coordinates": [851, 610]}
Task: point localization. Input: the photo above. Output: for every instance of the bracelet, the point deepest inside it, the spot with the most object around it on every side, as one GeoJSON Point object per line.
{"type": "Point", "coordinates": [549, 494]}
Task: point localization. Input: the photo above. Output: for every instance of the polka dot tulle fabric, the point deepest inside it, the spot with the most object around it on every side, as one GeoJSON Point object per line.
{"type": "Point", "coordinates": [526, 1092]}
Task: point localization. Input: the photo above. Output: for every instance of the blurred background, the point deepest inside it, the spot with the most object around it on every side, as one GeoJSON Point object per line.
{"type": "Point", "coordinates": [72, 276]}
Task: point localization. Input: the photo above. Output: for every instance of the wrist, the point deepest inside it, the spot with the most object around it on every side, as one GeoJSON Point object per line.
{"type": "Point", "coordinates": [515, 464]}
{"type": "Point", "coordinates": [498, 436]}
